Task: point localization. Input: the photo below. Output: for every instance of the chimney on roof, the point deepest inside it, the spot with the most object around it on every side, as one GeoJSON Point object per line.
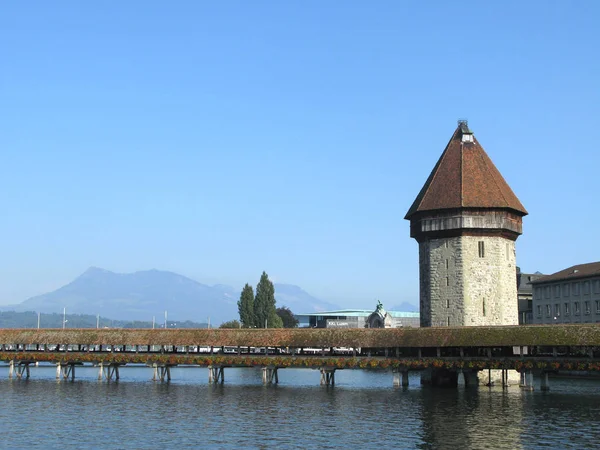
{"type": "Point", "coordinates": [467, 135]}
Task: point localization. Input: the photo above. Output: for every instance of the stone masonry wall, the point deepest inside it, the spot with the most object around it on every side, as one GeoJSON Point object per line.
{"type": "Point", "coordinates": [460, 288]}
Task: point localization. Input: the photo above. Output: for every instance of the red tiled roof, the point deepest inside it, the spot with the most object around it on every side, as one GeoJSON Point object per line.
{"type": "Point", "coordinates": [579, 271]}
{"type": "Point", "coordinates": [465, 177]}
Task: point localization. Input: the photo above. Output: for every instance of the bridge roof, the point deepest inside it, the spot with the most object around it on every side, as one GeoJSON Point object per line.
{"type": "Point", "coordinates": [499, 336]}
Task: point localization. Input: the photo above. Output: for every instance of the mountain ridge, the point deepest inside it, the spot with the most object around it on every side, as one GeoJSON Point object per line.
{"type": "Point", "coordinates": [145, 294]}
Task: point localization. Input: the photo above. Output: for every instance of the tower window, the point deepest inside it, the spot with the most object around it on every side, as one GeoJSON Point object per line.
{"type": "Point", "coordinates": [481, 249]}
{"type": "Point", "coordinates": [447, 281]}
{"type": "Point", "coordinates": [447, 303]}
{"type": "Point", "coordinates": [483, 308]}
{"type": "Point", "coordinates": [448, 321]}
{"type": "Point", "coordinates": [447, 265]}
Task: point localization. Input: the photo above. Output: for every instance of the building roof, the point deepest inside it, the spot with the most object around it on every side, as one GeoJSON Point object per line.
{"type": "Point", "coordinates": [465, 177]}
{"type": "Point", "coordinates": [574, 272]}
{"type": "Point", "coordinates": [524, 281]}
{"type": "Point", "coordinates": [358, 313]}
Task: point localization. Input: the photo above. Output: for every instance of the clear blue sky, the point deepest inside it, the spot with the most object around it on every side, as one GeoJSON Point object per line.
{"type": "Point", "coordinates": [221, 139]}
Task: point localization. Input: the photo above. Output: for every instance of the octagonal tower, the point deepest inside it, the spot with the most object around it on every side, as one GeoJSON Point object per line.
{"type": "Point", "coordinates": [466, 220]}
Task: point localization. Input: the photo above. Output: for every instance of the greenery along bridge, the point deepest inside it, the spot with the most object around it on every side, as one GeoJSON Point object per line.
{"type": "Point", "coordinates": [453, 350]}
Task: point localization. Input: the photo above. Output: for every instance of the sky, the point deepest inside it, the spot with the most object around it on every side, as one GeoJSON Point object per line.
{"type": "Point", "coordinates": [221, 139]}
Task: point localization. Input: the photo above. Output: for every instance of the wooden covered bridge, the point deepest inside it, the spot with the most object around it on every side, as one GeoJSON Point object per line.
{"type": "Point", "coordinates": [448, 352]}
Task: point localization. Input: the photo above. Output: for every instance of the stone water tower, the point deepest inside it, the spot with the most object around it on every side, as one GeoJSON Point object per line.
{"type": "Point", "coordinates": [466, 220]}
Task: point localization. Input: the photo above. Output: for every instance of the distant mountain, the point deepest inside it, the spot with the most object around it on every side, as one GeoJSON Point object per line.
{"type": "Point", "coordinates": [405, 307]}
{"type": "Point", "coordinates": [147, 294]}
{"type": "Point", "coordinates": [300, 301]}
{"type": "Point", "coordinates": [138, 296]}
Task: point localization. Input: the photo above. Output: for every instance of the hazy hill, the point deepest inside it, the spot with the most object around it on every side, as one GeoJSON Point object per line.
{"type": "Point", "coordinates": [300, 301]}
{"type": "Point", "coordinates": [405, 307]}
{"type": "Point", "coordinates": [146, 294]}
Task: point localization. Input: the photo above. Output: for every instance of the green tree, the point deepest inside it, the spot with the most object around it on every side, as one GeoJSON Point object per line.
{"type": "Point", "coordinates": [265, 314]}
{"type": "Point", "coordinates": [274, 321]}
{"type": "Point", "coordinates": [231, 324]}
{"type": "Point", "coordinates": [246, 307]}
{"type": "Point", "coordinates": [287, 317]}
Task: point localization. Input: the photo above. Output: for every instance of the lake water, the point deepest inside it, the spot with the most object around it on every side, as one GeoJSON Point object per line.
{"type": "Point", "coordinates": [363, 410]}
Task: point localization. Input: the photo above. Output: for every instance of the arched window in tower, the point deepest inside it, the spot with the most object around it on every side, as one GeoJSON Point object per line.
{"type": "Point", "coordinates": [481, 249]}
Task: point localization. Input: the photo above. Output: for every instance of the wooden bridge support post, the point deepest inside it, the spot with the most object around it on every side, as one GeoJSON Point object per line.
{"type": "Point", "coordinates": [527, 380]}
{"type": "Point", "coordinates": [110, 372]}
{"type": "Point", "coordinates": [327, 376]}
{"type": "Point", "coordinates": [400, 378]}
{"type": "Point", "coordinates": [216, 374]}
{"type": "Point", "coordinates": [505, 378]}
{"type": "Point", "coordinates": [269, 375]}
{"type": "Point", "coordinates": [160, 372]}
{"type": "Point", "coordinates": [470, 378]}
{"type": "Point", "coordinates": [65, 371]}
{"type": "Point", "coordinates": [545, 383]}
{"type": "Point", "coordinates": [18, 369]}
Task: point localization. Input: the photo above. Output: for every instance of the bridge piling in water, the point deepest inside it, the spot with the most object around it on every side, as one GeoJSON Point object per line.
{"type": "Point", "coordinates": [108, 371]}
{"type": "Point", "coordinates": [400, 378]}
{"type": "Point", "coordinates": [65, 371]}
{"type": "Point", "coordinates": [545, 382]}
{"type": "Point", "coordinates": [526, 380]}
{"type": "Point", "coordinates": [161, 372]}
{"type": "Point", "coordinates": [216, 374]}
{"type": "Point", "coordinates": [327, 376]}
{"type": "Point", "coordinates": [18, 369]}
{"type": "Point", "coordinates": [269, 375]}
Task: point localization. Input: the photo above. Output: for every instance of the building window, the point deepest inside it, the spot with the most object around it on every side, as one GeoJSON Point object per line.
{"type": "Point", "coordinates": [597, 287]}
{"type": "Point", "coordinates": [548, 310]}
{"type": "Point", "coordinates": [446, 244]}
{"type": "Point", "coordinates": [448, 321]}
{"type": "Point", "coordinates": [567, 309]}
{"type": "Point", "coordinates": [557, 290]}
{"type": "Point", "coordinates": [539, 310]}
{"type": "Point", "coordinates": [483, 308]}
{"type": "Point", "coordinates": [481, 249]}
{"type": "Point", "coordinates": [566, 290]}
{"type": "Point", "coordinates": [538, 292]}
{"type": "Point", "coordinates": [447, 264]}
{"type": "Point", "coordinates": [576, 308]}
{"type": "Point", "coordinates": [586, 287]}
{"type": "Point", "coordinates": [447, 281]}
{"type": "Point", "coordinates": [597, 306]}
{"type": "Point", "coordinates": [588, 309]}
{"type": "Point", "coordinates": [547, 291]}
{"type": "Point", "coordinates": [447, 303]}
{"type": "Point", "coordinates": [557, 309]}
{"type": "Point", "coordinates": [575, 288]}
